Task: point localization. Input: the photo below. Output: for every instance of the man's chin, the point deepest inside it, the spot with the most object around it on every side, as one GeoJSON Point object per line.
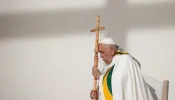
{"type": "Point", "coordinates": [107, 63]}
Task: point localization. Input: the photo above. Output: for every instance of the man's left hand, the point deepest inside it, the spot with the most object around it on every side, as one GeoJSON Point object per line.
{"type": "Point", "coordinates": [96, 72]}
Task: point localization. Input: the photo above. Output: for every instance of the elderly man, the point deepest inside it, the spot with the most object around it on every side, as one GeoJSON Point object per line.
{"type": "Point", "coordinates": [122, 78]}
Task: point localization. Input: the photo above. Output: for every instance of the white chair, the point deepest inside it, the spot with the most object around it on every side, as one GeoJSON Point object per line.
{"type": "Point", "coordinates": [159, 90]}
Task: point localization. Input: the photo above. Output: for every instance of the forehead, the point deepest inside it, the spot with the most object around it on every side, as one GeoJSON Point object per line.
{"type": "Point", "coordinates": [101, 46]}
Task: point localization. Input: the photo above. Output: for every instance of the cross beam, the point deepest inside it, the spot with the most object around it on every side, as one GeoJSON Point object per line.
{"type": "Point", "coordinates": [98, 28]}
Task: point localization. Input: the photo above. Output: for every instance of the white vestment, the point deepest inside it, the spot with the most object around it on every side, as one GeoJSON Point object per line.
{"type": "Point", "coordinates": [127, 82]}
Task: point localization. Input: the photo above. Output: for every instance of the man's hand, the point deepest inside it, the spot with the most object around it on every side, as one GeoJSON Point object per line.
{"type": "Point", "coordinates": [94, 94]}
{"type": "Point", "coordinates": [96, 72]}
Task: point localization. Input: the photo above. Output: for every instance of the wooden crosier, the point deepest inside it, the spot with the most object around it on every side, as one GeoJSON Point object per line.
{"type": "Point", "coordinates": [97, 29]}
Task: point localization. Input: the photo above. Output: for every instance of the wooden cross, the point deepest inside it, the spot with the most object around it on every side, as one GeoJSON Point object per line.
{"type": "Point", "coordinates": [97, 29]}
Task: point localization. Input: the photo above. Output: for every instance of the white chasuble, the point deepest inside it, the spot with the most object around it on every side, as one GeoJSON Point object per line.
{"type": "Point", "coordinates": [123, 81]}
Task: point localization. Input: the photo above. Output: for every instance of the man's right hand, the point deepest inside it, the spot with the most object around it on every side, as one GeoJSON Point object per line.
{"type": "Point", "coordinates": [96, 72]}
{"type": "Point", "coordinates": [94, 94]}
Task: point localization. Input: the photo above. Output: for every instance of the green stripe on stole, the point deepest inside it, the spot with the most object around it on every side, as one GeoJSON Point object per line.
{"type": "Point", "coordinates": [107, 86]}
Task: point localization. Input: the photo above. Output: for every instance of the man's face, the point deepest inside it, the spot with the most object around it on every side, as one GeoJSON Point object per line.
{"type": "Point", "coordinates": [106, 53]}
